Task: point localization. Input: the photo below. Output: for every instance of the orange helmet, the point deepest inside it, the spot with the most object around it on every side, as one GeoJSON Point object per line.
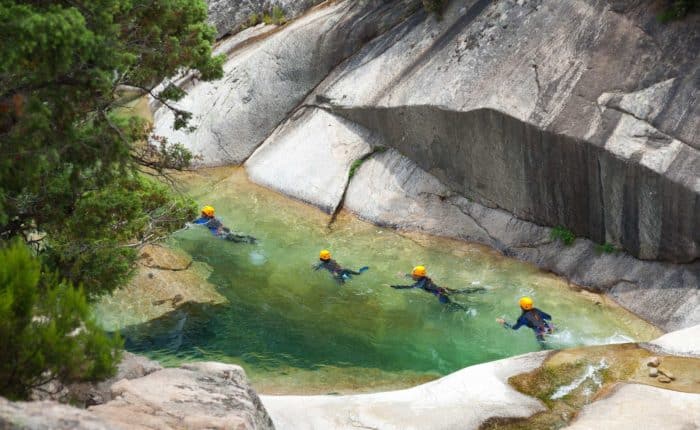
{"type": "Point", "coordinates": [526, 303]}
{"type": "Point", "coordinates": [419, 272]}
{"type": "Point", "coordinates": [208, 211]}
{"type": "Point", "coordinates": [324, 255]}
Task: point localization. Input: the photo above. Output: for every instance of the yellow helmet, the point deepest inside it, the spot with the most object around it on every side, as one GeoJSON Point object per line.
{"type": "Point", "coordinates": [208, 211]}
{"type": "Point", "coordinates": [419, 271]}
{"type": "Point", "coordinates": [526, 303]}
{"type": "Point", "coordinates": [324, 255]}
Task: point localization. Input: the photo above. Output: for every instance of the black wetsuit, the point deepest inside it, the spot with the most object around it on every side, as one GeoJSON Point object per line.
{"type": "Point", "coordinates": [536, 320]}
{"type": "Point", "coordinates": [216, 227]}
{"type": "Point", "coordinates": [426, 284]}
{"type": "Point", "coordinates": [339, 274]}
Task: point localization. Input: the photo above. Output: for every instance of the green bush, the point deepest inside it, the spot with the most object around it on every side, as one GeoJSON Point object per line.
{"type": "Point", "coordinates": [434, 6]}
{"type": "Point", "coordinates": [276, 16]}
{"type": "Point", "coordinates": [679, 9]}
{"type": "Point", "coordinates": [563, 234]}
{"type": "Point", "coordinates": [46, 330]}
{"type": "Point", "coordinates": [605, 248]}
{"type": "Point", "coordinates": [92, 245]}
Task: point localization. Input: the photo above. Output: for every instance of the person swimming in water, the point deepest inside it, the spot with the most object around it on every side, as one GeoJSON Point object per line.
{"type": "Point", "coordinates": [217, 228]}
{"type": "Point", "coordinates": [339, 274]}
{"type": "Point", "coordinates": [422, 281]}
{"type": "Point", "coordinates": [533, 318]}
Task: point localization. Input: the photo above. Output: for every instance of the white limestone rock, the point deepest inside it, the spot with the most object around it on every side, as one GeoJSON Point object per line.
{"type": "Point", "coordinates": [462, 400]}
{"type": "Point", "coordinates": [680, 342]}
{"type": "Point", "coordinates": [635, 406]}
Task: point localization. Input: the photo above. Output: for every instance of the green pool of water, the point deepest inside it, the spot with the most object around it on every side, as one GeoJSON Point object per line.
{"type": "Point", "coordinates": [286, 323]}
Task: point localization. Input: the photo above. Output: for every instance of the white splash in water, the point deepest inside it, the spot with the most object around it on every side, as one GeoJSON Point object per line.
{"type": "Point", "coordinates": [567, 337]}
{"type": "Point", "coordinates": [257, 258]}
{"type": "Point", "coordinates": [592, 373]}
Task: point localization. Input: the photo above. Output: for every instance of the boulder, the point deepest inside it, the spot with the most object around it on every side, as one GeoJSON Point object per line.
{"type": "Point", "coordinates": [159, 257]}
{"type": "Point", "coordinates": [203, 395]}
{"type": "Point", "coordinates": [464, 400]}
{"type": "Point", "coordinates": [662, 409]}
{"type": "Point", "coordinates": [49, 415]}
{"type": "Point", "coordinates": [195, 396]}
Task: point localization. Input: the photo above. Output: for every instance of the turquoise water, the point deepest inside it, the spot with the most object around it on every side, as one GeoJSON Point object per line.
{"type": "Point", "coordinates": [282, 317]}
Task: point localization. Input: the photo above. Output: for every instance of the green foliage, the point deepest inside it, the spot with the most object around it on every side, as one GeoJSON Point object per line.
{"type": "Point", "coordinates": [69, 152]}
{"type": "Point", "coordinates": [253, 20]}
{"type": "Point", "coordinates": [605, 248]}
{"type": "Point", "coordinates": [563, 234]}
{"type": "Point", "coordinates": [434, 6]}
{"type": "Point", "coordinates": [357, 163]}
{"type": "Point", "coordinates": [61, 63]}
{"type": "Point", "coordinates": [95, 244]}
{"type": "Point", "coordinates": [46, 330]}
{"type": "Point", "coordinates": [679, 9]}
{"type": "Point", "coordinates": [354, 166]}
{"type": "Point", "coordinates": [276, 16]}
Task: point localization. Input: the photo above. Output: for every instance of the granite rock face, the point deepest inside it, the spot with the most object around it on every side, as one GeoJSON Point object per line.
{"type": "Point", "coordinates": [570, 129]}
{"type": "Point", "coordinates": [266, 80]}
{"type": "Point", "coordinates": [230, 15]}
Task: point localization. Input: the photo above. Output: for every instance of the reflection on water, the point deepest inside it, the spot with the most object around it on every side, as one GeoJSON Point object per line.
{"type": "Point", "coordinates": [283, 317]}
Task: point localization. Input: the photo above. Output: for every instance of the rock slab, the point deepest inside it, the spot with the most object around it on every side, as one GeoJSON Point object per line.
{"type": "Point", "coordinates": [633, 406]}
{"type": "Point", "coordinates": [203, 395]}
{"type": "Point", "coordinates": [462, 400]}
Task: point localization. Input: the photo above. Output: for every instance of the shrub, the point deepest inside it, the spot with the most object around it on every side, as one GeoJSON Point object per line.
{"type": "Point", "coordinates": [678, 9]}
{"type": "Point", "coordinates": [46, 330]}
{"type": "Point", "coordinates": [276, 16]}
{"type": "Point", "coordinates": [563, 234]}
{"type": "Point", "coordinates": [434, 6]}
{"type": "Point", "coordinates": [605, 248]}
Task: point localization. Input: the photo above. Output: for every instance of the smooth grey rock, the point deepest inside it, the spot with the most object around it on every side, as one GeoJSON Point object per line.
{"type": "Point", "coordinates": [571, 129]}
{"type": "Point", "coordinates": [462, 400]}
{"type": "Point", "coordinates": [195, 396]}
{"type": "Point", "coordinates": [229, 16]}
{"type": "Point", "coordinates": [266, 79]}
{"type": "Point", "coordinates": [309, 158]}
{"type": "Point", "coordinates": [681, 342]}
{"type": "Point", "coordinates": [662, 409]}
